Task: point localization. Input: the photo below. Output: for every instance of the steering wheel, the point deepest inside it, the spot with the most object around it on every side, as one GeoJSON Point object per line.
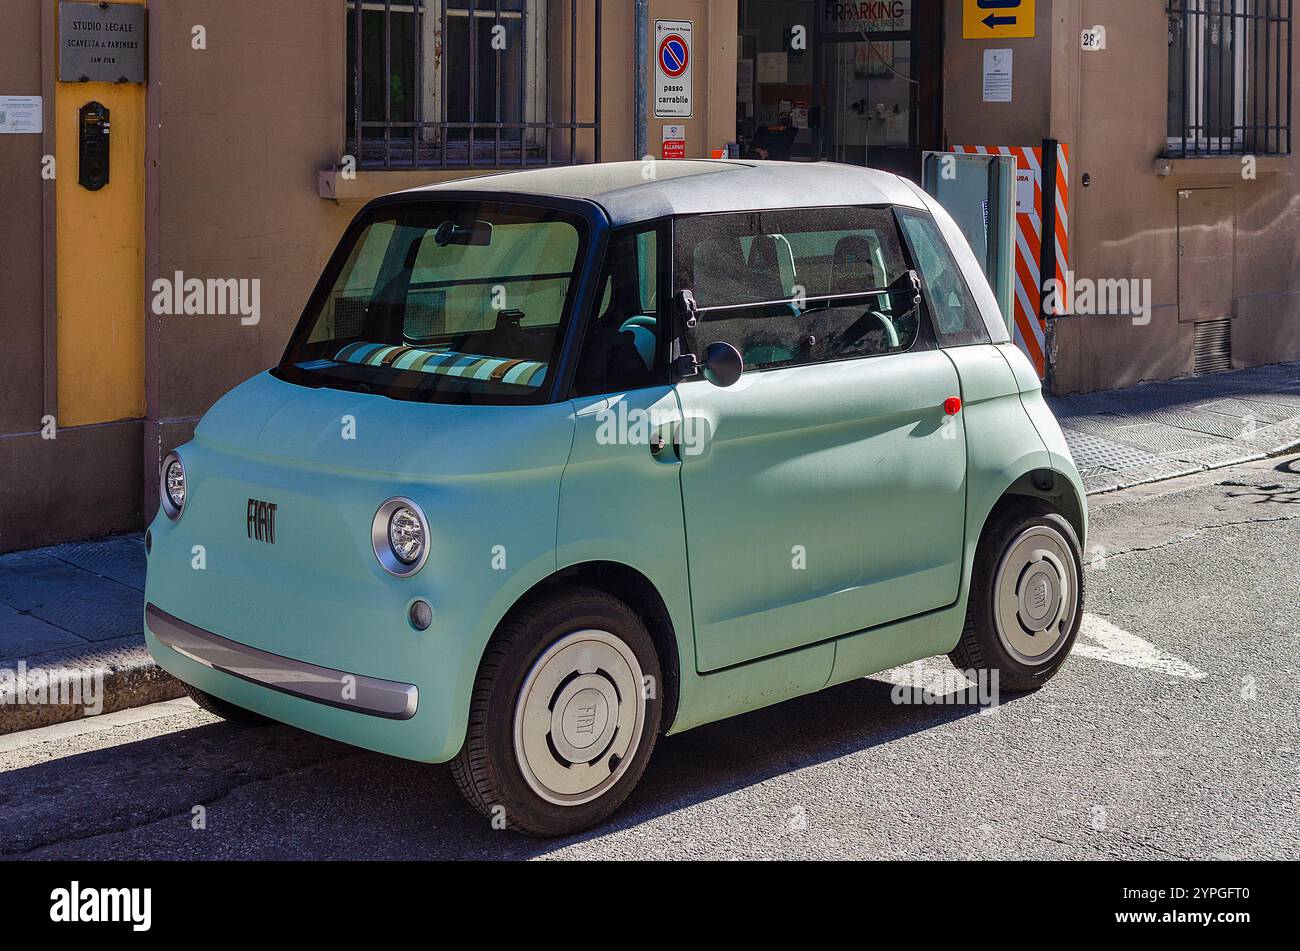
{"type": "Point", "coordinates": [891, 332]}
{"type": "Point", "coordinates": [642, 328]}
{"type": "Point", "coordinates": [863, 326]}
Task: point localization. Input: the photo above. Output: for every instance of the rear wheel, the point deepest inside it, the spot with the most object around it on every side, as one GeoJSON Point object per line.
{"type": "Point", "coordinates": [1026, 600]}
{"type": "Point", "coordinates": [224, 708]}
{"type": "Point", "coordinates": [564, 714]}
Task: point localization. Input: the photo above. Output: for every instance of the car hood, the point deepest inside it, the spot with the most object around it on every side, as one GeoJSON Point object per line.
{"type": "Point", "coordinates": [268, 418]}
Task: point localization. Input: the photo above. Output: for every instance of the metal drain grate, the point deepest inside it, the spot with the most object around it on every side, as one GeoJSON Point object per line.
{"type": "Point", "coordinates": [1212, 346]}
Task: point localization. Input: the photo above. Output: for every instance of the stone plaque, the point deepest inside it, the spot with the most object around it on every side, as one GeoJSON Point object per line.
{"type": "Point", "coordinates": [101, 42]}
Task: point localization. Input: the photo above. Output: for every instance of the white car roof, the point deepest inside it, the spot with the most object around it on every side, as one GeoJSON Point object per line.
{"type": "Point", "coordinates": [631, 192]}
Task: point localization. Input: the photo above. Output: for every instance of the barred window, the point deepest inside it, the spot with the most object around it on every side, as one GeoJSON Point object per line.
{"type": "Point", "coordinates": [1229, 77]}
{"type": "Point", "coordinates": [470, 83]}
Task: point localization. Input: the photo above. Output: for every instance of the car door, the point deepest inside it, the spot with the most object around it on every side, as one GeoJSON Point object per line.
{"type": "Point", "coordinates": [823, 492]}
{"type": "Point", "coordinates": [620, 496]}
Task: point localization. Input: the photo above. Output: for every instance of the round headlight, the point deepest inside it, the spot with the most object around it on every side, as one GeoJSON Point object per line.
{"type": "Point", "coordinates": [406, 535]}
{"type": "Point", "coordinates": [173, 486]}
{"type": "Point", "coordinates": [399, 536]}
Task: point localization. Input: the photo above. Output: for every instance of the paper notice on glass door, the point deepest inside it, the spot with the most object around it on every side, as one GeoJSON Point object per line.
{"type": "Point", "coordinates": [997, 75]}
{"type": "Point", "coordinates": [773, 67]}
{"type": "Point", "coordinates": [745, 81]}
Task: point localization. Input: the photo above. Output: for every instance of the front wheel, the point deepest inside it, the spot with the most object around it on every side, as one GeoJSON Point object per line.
{"type": "Point", "coordinates": [1026, 599]}
{"type": "Point", "coordinates": [564, 715]}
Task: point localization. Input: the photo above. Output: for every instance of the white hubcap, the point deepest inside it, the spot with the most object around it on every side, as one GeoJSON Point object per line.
{"type": "Point", "coordinates": [579, 717]}
{"type": "Point", "coordinates": [1035, 595]}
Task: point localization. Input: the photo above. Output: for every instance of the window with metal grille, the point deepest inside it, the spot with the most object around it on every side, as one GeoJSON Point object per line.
{"type": "Point", "coordinates": [471, 83]}
{"type": "Point", "coordinates": [1229, 77]}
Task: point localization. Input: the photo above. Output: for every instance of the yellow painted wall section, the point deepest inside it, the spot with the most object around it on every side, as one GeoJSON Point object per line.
{"type": "Point", "coordinates": [100, 263]}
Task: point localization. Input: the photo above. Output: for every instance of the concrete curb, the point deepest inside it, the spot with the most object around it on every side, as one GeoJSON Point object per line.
{"type": "Point", "coordinates": [1105, 483]}
{"type": "Point", "coordinates": [130, 678]}
{"type": "Point", "coordinates": [1150, 432]}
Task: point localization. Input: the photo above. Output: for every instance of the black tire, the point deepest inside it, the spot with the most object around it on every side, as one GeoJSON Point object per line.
{"type": "Point", "coordinates": [224, 708]}
{"type": "Point", "coordinates": [981, 648]}
{"type": "Point", "coordinates": [487, 769]}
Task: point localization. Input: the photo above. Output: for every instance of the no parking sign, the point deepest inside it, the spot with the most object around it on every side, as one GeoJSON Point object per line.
{"type": "Point", "coordinates": [673, 69]}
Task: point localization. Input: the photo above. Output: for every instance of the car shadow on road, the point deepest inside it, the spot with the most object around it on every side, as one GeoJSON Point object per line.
{"type": "Point", "coordinates": [224, 792]}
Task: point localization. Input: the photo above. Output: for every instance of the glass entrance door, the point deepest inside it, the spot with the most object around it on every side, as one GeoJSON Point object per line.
{"type": "Point", "coordinates": [855, 81]}
{"type": "Point", "coordinates": [871, 102]}
{"type": "Point", "coordinates": [878, 77]}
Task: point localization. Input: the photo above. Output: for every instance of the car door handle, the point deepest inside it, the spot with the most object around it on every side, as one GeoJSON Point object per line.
{"type": "Point", "coordinates": [657, 443]}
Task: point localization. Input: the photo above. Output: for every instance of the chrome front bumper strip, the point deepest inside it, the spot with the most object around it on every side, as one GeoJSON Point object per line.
{"type": "Point", "coordinates": [336, 688]}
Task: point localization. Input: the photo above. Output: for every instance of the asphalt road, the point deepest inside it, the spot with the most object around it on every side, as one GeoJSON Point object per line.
{"type": "Point", "coordinates": [1172, 732]}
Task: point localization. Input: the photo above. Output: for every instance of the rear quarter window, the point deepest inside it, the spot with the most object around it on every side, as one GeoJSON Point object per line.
{"type": "Point", "coordinates": [956, 317]}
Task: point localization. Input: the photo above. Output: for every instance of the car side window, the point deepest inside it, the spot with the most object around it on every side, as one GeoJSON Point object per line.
{"type": "Point", "coordinates": [957, 318]}
{"type": "Point", "coordinates": [793, 287]}
{"type": "Point", "coordinates": [620, 350]}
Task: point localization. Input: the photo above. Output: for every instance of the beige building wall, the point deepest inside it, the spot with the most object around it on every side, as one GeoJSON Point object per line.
{"type": "Point", "coordinates": [22, 222]}
{"type": "Point", "coordinates": [968, 120]}
{"type": "Point", "coordinates": [1239, 248]}
{"type": "Point", "coordinates": [238, 132]}
{"type": "Point", "coordinates": [713, 123]}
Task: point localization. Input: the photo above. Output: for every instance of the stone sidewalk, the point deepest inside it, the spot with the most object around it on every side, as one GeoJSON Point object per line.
{"type": "Point", "coordinates": [1155, 431]}
{"type": "Point", "coordinates": [79, 606]}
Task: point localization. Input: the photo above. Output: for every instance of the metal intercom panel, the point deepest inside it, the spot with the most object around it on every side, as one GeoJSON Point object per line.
{"type": "Point", "coordinates": [92, 146]}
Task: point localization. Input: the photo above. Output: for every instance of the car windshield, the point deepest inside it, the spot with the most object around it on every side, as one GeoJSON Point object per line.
{"type": "Point", "coordinates": [445, 302]}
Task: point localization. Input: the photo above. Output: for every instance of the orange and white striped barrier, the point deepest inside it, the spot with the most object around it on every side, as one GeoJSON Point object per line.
{"type": "Point", "coordinates": [1030, 330]}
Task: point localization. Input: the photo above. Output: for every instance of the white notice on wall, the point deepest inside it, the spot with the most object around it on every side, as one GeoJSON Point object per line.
{"type": "Point", "coordinates": [1024, 192]}
{"type": "Point", "coordinates": [997, 75]}
{"type": "Point", "coordinates": [20, 114]}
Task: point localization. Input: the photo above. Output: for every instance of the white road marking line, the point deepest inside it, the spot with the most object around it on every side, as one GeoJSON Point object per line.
{"type": "Point", "coordinates": [1118, 646]}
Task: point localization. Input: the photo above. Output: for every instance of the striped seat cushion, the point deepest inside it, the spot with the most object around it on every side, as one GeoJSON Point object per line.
{"type": "Point", "coordinates": [446, 362]}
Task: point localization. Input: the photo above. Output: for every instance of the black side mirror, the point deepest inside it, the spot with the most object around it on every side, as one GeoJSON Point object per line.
{"type": "Point", "coordinates": [722, 364]}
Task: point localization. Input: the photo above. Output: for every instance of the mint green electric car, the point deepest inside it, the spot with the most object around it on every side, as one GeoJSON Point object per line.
{"type": "Point", "coordinates": [559, 461]}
